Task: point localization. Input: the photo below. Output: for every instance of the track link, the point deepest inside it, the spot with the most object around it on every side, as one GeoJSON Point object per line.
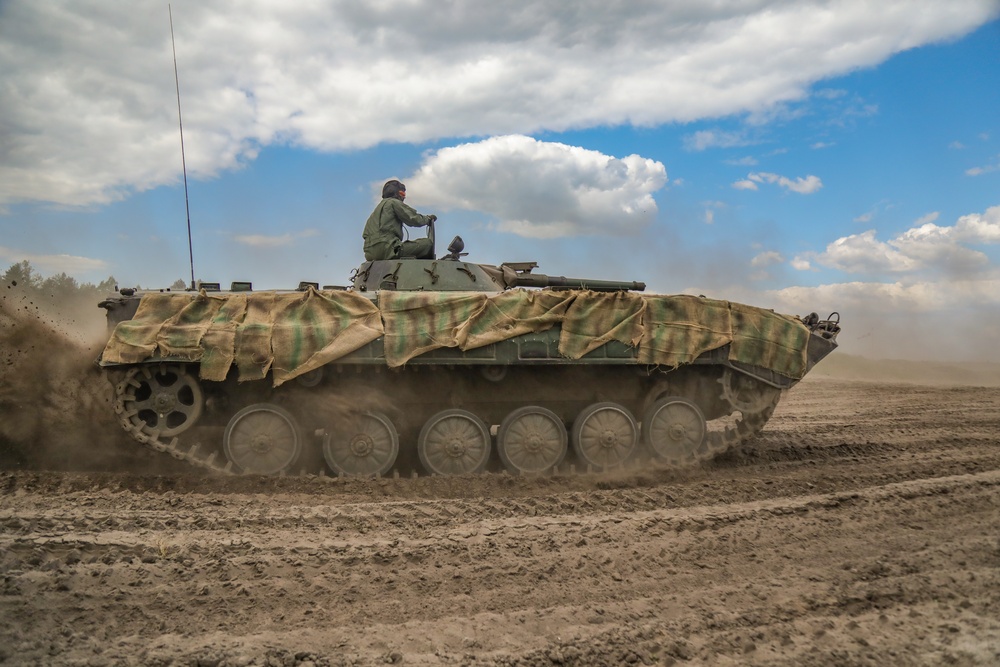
{"type": "Point", "coordinates": [187, 446]}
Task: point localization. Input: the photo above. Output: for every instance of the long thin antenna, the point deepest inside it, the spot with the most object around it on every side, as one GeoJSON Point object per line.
{"type": "Point", "coordinates": [180, 124]}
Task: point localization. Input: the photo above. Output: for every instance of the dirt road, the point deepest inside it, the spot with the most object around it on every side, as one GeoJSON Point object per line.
{"type": "Point", "coordinates": [862, 528]}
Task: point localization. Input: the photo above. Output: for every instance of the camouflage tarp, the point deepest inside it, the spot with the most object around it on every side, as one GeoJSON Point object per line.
{"type": "Point", "coordinates": [418, 322]}
{"type": "Point", "coordinates": [676, 329]}
{"type": "Point", "coordinates": [289, 333]}
{"type": "Point", "coordinates": [294, 333]}
{"type": "Point", "coordinates": [668, 330]}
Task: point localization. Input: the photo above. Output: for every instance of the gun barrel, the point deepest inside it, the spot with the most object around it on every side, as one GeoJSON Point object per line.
{"type": "Point", "coordinates": [542, 280]}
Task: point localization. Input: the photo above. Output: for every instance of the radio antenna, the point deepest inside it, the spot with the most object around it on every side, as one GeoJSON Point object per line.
{"type": "Point", "coordinates": [180, 124]}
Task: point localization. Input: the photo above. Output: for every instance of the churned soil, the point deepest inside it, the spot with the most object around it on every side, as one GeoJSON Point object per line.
{"type": "Point", "coordinates": [861, 528]}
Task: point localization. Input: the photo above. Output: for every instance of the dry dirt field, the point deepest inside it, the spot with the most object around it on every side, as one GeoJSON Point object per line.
{"type": "Point", "coordinates": [861, 528]}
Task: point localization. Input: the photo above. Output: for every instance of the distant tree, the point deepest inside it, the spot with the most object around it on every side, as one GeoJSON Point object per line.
{"type": "Point", "coordinates": [60, 285]}
{"type": "Point", "coordinates": [178, 284]}
{"type": "Point", "coordinates": [108, 285]}
{"type": "Point", "coordinates": [22, 275]}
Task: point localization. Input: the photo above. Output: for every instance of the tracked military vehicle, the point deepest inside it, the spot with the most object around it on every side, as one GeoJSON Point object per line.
{"type": "Point", "coordinates": [449, 367]}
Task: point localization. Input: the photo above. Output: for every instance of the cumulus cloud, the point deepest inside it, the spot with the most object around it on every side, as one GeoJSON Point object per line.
{"type": "Point", "coordinates": [979, 227]}
{"type": "Point", "coordinates": [898, 296]}
{"type": "Point", "coordinates": [926, 246]}
{"type": "Point", "coordinates": [541, 189]}
{"type": "Point", "coordinates": [88, 113]}
{"type": "Point", "coordinates": [863, 253]}
{"type": "Point", "coordinates": [918, 320]}
{"type": "Point", "coordinates": [801, 185]}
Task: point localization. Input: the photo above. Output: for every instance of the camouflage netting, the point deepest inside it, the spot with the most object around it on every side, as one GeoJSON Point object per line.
{"type": "Point", "coordinates": [294, 333]}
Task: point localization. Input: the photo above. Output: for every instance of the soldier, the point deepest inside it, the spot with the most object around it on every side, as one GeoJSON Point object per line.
{"type": "Point", "coordinates": [384, 230]}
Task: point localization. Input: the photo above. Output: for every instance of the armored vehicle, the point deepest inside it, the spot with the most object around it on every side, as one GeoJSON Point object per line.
{"type": "Point", "coordinates": [448, 367]}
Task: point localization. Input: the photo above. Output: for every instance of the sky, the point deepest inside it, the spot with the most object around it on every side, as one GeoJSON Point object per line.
{"type": "Point", "coordinates": [801, 155]}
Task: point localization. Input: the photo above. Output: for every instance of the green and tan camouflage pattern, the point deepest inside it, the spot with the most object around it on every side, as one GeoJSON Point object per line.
{"type": "Point", "coordinates": [291, 334]}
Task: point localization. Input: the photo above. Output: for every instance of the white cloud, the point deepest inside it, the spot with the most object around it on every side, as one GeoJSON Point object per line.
{"type": "Point", "coordinates": [920, 320]}
{"type": "Point", "coordinates": [88, 113]}
{"type": "Point", "coordinates": [800, 263]}
{"type": "Point", "coordinates": [979, 227]}
{"type": "Point", "coordinates": [985, 169]}
{"type": "Point", "coordinates": [265, 241]}
{"type": "Point", "coordinates": [62, 263]}
{"type": "Point", "coordinates": [926, 246]}
{"type": "Point", "coordinates": [916, 297]}
{"type": "Point", "coordinates": [705, 139]}
{"type": "Point", "coordinates": [768, 258]}
{"type": "Point", "coordinates": [802, 186]}
{"type": "Point", "coordinates": [541, 189]}
{"type": "Point", "coordinates": [863, 253]}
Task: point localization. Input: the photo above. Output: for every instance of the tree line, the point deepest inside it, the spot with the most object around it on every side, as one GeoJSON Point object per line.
{"type": "Point", "coordinates": [24, 276]}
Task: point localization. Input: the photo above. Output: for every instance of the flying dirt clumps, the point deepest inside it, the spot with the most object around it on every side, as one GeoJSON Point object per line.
{"type": "Point", "coordinates": [55, 406]}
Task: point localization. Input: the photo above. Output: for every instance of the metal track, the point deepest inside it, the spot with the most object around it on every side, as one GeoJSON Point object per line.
{"type": "Point", "coordinates": [717, 442]}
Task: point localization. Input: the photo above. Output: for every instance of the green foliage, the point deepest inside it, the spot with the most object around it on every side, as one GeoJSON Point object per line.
{"type": "Point", "coordinates": [22, 275]}
{"type": "Point", "coordinates": [60, 286]}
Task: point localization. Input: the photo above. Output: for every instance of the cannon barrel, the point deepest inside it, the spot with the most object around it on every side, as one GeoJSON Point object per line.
{"type": "Point", "coordinates": [542, 280]}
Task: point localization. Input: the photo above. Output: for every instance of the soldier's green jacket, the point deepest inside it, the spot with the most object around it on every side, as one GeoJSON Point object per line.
{"type": "Point", "coordinates": [384, 229]}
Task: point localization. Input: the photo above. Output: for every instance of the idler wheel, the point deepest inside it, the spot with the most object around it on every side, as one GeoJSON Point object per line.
{"type": "Point", "coordinates": [605, 435]}
{"type": "Point", "coordinates": [262, 439]}
{"type": "Point", "coordinates": [454, 442]}
{"type": "Point", "coordinates": [745, 393]}
{"type": "Point", "coordinates": [162, 399]}
{"type": "Point", "coordinates": [674, 429]}
{"type": "Point", "coordinates": [367, 445]}
{"type": "Point", "coordinates": [532, 440]}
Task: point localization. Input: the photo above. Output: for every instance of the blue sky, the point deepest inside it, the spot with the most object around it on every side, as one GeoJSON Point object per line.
{"type": "Point", "coordinates": [827, 156]}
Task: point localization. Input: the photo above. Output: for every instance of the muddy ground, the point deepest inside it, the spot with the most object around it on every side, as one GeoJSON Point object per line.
{"type": "Point", "coordinates": [861, 528]}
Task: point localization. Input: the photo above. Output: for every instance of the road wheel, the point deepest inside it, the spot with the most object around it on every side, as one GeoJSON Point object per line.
{"type": "Point", "coordinates": [605, 435]}
{"type": "Point", "coordinates": [262, 439]}
{"type": "Point", "coordinates": [674, 429]}
{"type": "Point", "coordinates": [366, 445]}
{"type": "Point", "coordinates": [532, 440]}
{"type": "Point", "coordinates": [454, 442]}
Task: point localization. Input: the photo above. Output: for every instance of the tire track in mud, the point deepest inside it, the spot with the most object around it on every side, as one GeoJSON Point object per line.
{"type": "Point", "coordinates": [807, 548]}
{"type": "Point", "coordinates": [623, 558]}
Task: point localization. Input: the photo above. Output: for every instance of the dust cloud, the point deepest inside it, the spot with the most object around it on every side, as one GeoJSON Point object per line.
{"type": "Point", "coordinates": [55, 403]}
